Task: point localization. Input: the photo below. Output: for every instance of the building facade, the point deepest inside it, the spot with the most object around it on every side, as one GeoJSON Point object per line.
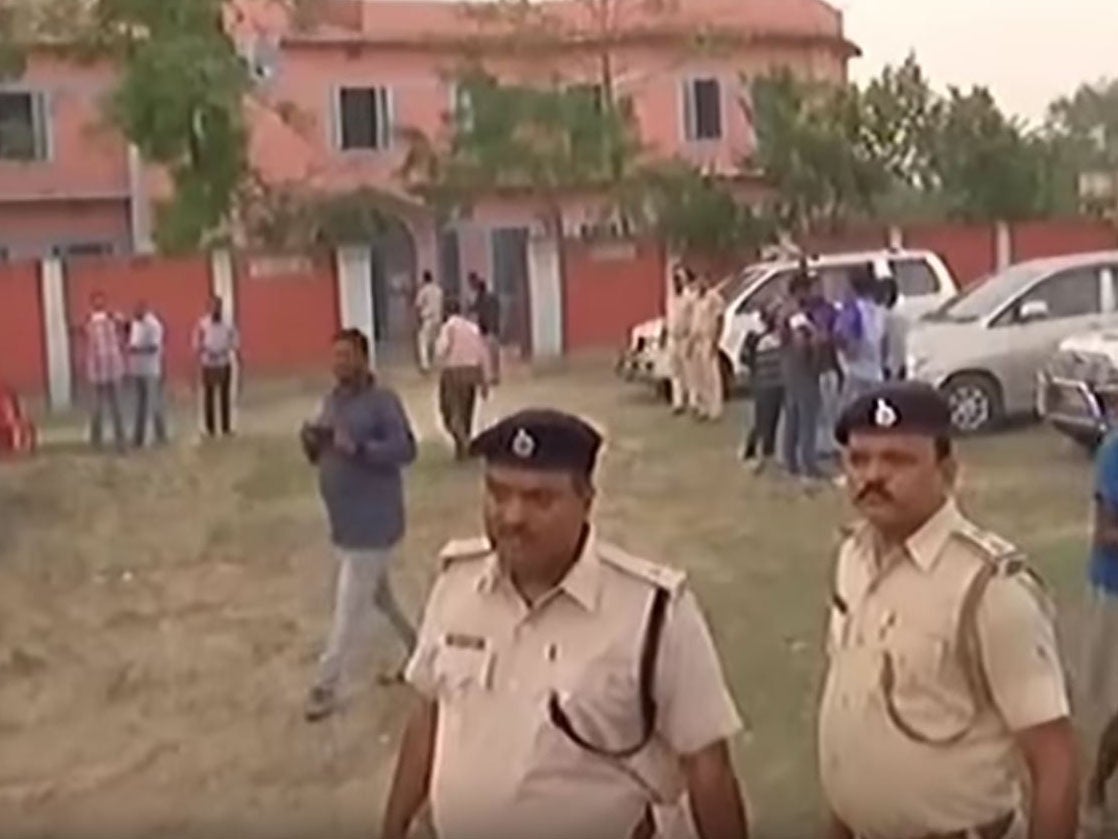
{"type": "Point", "coordinates": [361, 72]}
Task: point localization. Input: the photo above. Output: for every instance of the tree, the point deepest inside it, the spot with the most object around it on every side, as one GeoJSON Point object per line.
{"type": "Point", "coordinates": [900, 116]}
{"type": "Point", "coordinates": [812, 151]}
{"type": "Point", "coordinates": [1089, 119]}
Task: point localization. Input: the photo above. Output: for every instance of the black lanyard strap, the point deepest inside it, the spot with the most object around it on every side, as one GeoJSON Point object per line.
{"type": "Point", "coordinates": [649, 652]}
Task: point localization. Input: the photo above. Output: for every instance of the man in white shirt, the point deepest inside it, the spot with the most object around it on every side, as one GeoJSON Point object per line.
{"type": "Point", "coordinates": [216, 342]}
{"type": "Point", "coordinates": [429, 308]}
{"type": "Point", "coordinates": [145, 367]}
{"type": "Point", "coordinates": [463, 359]}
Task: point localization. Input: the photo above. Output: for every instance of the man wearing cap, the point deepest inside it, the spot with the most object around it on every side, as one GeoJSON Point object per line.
{"type": "Point", "coordinates": [944, 677]}
{"type": "Point", "coordinates": [565, 688]}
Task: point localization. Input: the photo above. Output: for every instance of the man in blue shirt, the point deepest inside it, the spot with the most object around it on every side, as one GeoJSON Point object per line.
{"type": "Point", "coordinates": [1100, 672]}
{"type": "Point", "coordinates": [360, 442]}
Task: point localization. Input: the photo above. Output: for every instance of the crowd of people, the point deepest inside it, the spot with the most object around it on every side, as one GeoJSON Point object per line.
{"type": "Point", "coordinates": [125, 365]}
{"type": "Point", "coordinates": [811, 357]}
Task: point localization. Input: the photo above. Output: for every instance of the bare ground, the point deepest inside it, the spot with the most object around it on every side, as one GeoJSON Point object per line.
{"type": "Point", "coordinates": [160, 613]}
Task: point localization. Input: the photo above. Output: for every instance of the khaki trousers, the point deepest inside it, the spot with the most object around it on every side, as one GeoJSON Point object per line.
{"type": "Point", "coordinates": [708, 400]}
{"type": "Point", "coordinates": [425, 338]}
{"type": "Point", "coordinates": [458, 387]}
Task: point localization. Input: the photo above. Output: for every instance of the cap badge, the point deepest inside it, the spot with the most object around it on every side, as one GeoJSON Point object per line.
{"type": "Point", "coordinates": [884, 414]}
{"type": "Point", "coordinates": [523, 444]}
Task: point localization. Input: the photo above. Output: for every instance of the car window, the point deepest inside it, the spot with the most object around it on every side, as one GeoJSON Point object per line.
{"type": "Point", "coordinates": [915, 277]}
{"type": "Point", "coordinates": [772, 289]}
{"type": "Point", "coordinates": [1069, 294]}
{"type": "Point", "coordinates": [835, 281]}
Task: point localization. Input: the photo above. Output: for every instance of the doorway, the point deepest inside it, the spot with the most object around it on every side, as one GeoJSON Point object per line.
{"type": "Point", "coordinates": [510, 283]}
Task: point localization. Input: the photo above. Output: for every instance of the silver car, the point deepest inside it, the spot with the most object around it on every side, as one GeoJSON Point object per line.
{"type": "Point", "coordinates": [985, 347]}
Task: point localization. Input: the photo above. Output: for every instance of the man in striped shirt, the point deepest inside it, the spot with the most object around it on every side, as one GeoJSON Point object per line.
{"type": "Point", "coordinates": [104, 360]}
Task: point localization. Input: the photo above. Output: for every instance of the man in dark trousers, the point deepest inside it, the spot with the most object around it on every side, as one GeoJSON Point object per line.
{"type": "Point", "coordinates": [360, 442]}
{"type": "Point", "coordinates": [486, 311]}
{"type": "Point", "coordinates": [216, 342]}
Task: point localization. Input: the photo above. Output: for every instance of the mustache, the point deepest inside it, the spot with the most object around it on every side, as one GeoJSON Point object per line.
{"type": "Point", "coordinates": [876, 488]}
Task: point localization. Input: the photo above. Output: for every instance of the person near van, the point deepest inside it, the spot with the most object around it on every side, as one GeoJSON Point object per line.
{"type": "Point", "coordinates": [761, 354]}
{"type": "Point", "coordinates": [145, 366]}
{"type": "Point", "coordinates": [944, 711]}
{"type": "Point", "coordinates": [895, 349]}
{"type": "Point", "coordinates": [486, 311]}
{"type": "Point", "coordinates": [681, 309]}
{"type": "Point", "coordinates": [429, 317]}
{"type": "Point", "coordinates": [462, 357]}
{"type": "Point", "coordinates": [801, 341]}
{"type": "Point", "coordinates": [706, 329]}
{"type": "Point", "coordinates": [360, 442]}
{"type": "Point", "coordinates": [860, 336]}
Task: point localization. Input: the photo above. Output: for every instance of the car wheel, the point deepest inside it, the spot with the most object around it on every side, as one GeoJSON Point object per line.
{"type": "Point", "coordinates": [975, 401]}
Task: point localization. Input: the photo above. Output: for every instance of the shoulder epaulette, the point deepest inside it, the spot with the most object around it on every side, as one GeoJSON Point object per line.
{"type": "Point", "coordinates": [458, 550]}
{"type": "Point", "coordinates": [661, 576]}
{"type": "Point", "coordinates": [1008, 558]}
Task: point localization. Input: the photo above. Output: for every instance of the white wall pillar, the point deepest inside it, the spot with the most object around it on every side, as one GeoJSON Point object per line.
{"type": "Point", "coordinates": [1003, 246]}
{"type": "Point", "coordinates": [895, 237]}
{"type": "Point", "coordinates": [56, 328]}
{"type": "Point", "coordinates": [223, 283]}
{"type": "Point", "coordinates": [139, 208]}
{"type": "Point", "coordinates": [545, 297]}
{"type": "Point", "coordinates": [353, 274]}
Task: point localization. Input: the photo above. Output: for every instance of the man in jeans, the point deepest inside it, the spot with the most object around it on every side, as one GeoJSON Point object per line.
{"type": "Point", "coordinates": [360, 442]}
{"type": "Point", "coordinates": [801, 347]}
{"type": "Point", "coordinates": [216, 342]}
{"type": "Point", "coordinates": [104, 369]}
{"type": "Point", "coordinates": [145, 361]}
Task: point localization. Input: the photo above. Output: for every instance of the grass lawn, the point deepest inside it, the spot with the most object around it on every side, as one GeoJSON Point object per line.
{"type": "Point", "coordinates": [160, 613]}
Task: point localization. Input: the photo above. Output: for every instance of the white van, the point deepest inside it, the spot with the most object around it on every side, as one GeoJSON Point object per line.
{"type": "Point", "coordinates": [923, 280]}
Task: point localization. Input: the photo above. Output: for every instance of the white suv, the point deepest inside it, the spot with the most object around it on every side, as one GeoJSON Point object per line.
{"type": "Point", "coordinates": [923, 279]}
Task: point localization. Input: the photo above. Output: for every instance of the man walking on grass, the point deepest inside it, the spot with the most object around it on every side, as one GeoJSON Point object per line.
{"type": "Point", "coordinates": [360, 442]}
{"type": "Point", "coordinates": [462, 358]}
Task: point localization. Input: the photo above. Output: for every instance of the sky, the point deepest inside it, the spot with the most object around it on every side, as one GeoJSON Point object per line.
{"type": "Point", "coordinates": [1028, 52]}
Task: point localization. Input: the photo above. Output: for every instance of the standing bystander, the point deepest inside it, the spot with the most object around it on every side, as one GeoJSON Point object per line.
{"type": "Point", "coordinates": [462, 357]}
{"type": "Point", "coordinates": [429, 316]}
{"type": "Point", "coordinates": [802, 346]}
{"type": "Point", "coordinates": [895, 348]}
{"type": "Point", "coordinates": [216, 342]}
{"type": "Point", "coordinates": [145, 361]}
{"type": "Point", "coordinates": [761, 354]}
{"type": "Point", "coordinates": [104, 369]}
{"type": "Point", "coordinates": [706, 330]}
{"type": "Point", "coordinates": [681, 308]}
{"type": "Point", "coordinates": [360, 442]}
{"type": "Point", "coordinates": [486, 310]}
{"type": "Point", "coordinates": [860, 336]}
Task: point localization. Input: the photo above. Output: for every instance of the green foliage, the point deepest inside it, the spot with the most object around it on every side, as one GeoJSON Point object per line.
{"type": "Point", "coordinates": [515, 137]}
{"type": "Point", "coordinates": [285, 218]}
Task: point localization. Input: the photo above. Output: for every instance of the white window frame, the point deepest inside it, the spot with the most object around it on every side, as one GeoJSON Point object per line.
{"type": "Point", "coordinates": [42, 125]}
{"type": "Point", "coordinates": [458, 99]}
{"type": "Point", "coordinates": [689, 115]}
{"type": "Point", "coordinates": [385, 127]}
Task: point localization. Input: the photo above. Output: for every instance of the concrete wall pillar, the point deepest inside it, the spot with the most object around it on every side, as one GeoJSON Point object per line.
{"type": "Point", "coordinates": [353, 273]}
{"type": "Point", "coordinates": [545, 297]}
{"type": "Point", "coordinates": [139, 207]}
{"type": "Point", "coordinates": [895, 237]}
{"type": "Point", "coordinates": [1003, 246]}
{"type": "Point", "coordinates": [56, 328]}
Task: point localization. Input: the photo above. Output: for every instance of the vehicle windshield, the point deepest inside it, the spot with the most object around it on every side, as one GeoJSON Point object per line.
{"type": "Point", "coordinates": [986, 296]}
{"type": "Point", "coordinates": [736, 283]}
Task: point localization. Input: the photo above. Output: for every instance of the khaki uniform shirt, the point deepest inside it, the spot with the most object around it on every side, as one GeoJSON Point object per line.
{"type": "Point", "coordinates": [879, 780]}
{"type": "Point", "coordinates": [429, 303]}
{"type": "Point", "coordinates": [501, 768]}
{"type": "Point", "coordinates": [708, 315]}
{"type": "Point", "coordinates": [681, 308]}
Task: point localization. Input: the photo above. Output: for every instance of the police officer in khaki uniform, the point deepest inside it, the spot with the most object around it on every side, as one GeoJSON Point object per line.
{"type": "Point", "coordinates": [566, 688]}
{"type": "Point", "coordinates": [681, 308]}
{"type": "Point", "coordinates": [705, 334]}
{"type": "Point", "coordinates": [945, 712]}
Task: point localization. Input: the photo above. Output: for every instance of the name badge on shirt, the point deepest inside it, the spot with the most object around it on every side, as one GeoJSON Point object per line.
{"type": "Point", "coordinates": [464, 659]}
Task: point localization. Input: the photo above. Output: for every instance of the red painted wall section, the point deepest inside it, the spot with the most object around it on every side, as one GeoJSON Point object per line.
{"type": "Point", "coordinates": [22, 342]}
{"type": "Point", "coordinates": [177, 290]}
{"type": "Point", "coordinates": [1034, 240]}
{"type": "Point", "coordinates": [969, 251]}
{"type": "Point", "coordinates": [610, 287]}
{"type": "Point", "coordinates": [287, 311]}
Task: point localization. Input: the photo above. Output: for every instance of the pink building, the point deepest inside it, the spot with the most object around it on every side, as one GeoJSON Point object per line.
{"type": "Point", "coordinates": [367, 69]}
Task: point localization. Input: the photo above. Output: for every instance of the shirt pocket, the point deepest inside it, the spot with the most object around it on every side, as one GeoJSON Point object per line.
{"type": "Point", "coordinates": [461, 669]}
{"type": "Point", "coordinates": [920, 686]}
